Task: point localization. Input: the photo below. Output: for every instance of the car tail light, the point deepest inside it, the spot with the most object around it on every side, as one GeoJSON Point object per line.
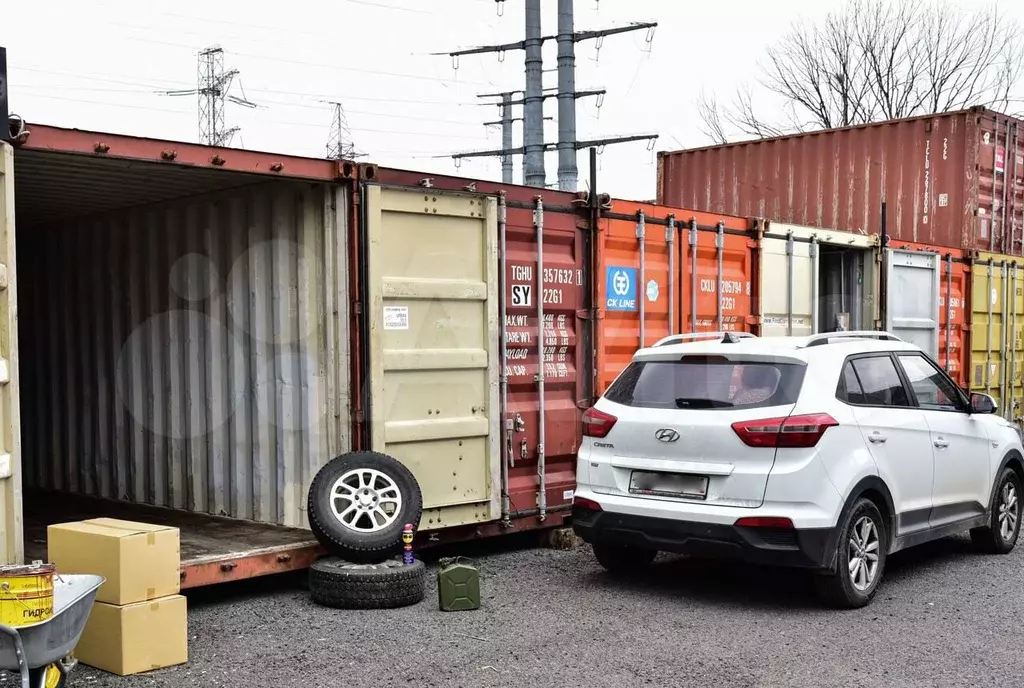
{"type": "Point", "coordinates": [597, 423]}
{"type": "Point", "coordinates": [764, 522]}
{"type": "Point", "coordinates": [584, 503]}
{"type": "Point", "coordinates": [795, 431]}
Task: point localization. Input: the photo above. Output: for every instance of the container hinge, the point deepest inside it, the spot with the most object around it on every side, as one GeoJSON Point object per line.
{"type": "Point", "coordinates": [641, 225]}
{"type": "Point", "coordinates": [584, 314]}
{"type": "Point", "coordinates": [357, 307]}
{"type": "Point", "coordinates": [790, 245]}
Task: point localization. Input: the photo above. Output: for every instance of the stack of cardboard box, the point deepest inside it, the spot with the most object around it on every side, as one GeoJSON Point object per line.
{"type": "Point", "coordinates": [139, 621]}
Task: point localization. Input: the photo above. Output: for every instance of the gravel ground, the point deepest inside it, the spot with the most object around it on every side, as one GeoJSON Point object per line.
{"type": "Point", "coordinates": [944, 617]}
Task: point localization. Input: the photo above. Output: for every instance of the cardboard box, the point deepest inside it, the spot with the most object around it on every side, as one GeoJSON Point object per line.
{"type": "Point", "coordinates": [140, 561]}
{"type": "Point", "coordinates": [136, 637]}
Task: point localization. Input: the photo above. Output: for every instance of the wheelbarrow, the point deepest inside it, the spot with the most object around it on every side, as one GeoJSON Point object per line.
{"type": "Point", "coordinates": [41, 652]}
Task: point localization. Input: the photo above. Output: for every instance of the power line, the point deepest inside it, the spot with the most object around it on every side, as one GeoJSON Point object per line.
{"type": "Point", "coordinates": [396, 132]}
{"type": "Point", "coordinates": [159, 89]}
{"type": "Point", "coordinates": [284, 60]}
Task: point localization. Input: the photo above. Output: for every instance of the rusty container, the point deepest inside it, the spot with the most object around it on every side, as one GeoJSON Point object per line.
{"type": "Point", "coordinates": [949, 179]}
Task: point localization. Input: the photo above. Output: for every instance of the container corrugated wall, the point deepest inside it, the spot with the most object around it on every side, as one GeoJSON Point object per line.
{"type": "Point", "coordinates": [192, 354]}
{"type": "Point", "coordinates": [690, 278]}
{"type": "Point", "coordinates": [942, 175]}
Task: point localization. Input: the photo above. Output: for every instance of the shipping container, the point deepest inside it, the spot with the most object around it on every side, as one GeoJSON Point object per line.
{"type": "Point", "coordinates": [997, 316]}
{"type": "Point", "coordinates": [662, 271]}
{"type": "Point", "coordinates": [543, 267]}
{"type": "Point", "coordinates": [201, 329]}
{"type": "Point", "coordinates": [944, 335]}
{"type": "Point", "coordinates": [944, 178]}
{"type": "Point", "coordinates": [811, 280]}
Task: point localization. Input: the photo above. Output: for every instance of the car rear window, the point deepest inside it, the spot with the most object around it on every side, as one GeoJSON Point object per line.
{"type": "Point", "coordinates": [702, 384]}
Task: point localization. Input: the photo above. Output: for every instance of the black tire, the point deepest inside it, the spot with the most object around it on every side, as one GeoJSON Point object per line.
{"type": "Point", "coordinates": [388, 585]}
{"type": "Point", "coordinates": [622, 559]}
{"type": "Point", "coordinates": [837, 589]}
{"type": "Point", "coordinates": [350, 543]}
{"type": "Point", "coordinates": [989, 539]}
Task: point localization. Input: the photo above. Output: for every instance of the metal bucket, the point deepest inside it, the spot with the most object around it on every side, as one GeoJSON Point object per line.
{"type": "Point", "coordinates": [26, 593]}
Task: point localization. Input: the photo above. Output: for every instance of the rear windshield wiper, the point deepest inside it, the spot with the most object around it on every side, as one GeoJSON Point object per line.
{"type": "Point", "coordinates": [696, 402]}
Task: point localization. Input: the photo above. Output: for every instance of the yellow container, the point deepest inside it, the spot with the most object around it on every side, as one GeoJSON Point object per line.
{"type": "Point", "coordinates": [997, 331]}
{"type": "Point", "coordinates": [26, 593]}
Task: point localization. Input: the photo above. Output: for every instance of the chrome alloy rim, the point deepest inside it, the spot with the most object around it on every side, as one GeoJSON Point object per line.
{"type": "Point", "coordinates": [863, 548]}
{"type": "Point", "coordinates": [1009, 509]}
{"type": "Point", "coordinates": [366, 500]}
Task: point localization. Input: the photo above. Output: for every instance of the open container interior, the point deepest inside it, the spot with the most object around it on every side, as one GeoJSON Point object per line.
{"type": "Point", "coordinates": [183, 353]}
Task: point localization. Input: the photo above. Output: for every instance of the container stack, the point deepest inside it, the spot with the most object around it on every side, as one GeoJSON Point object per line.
{"type": "Point", "coordinates": [139, 621]}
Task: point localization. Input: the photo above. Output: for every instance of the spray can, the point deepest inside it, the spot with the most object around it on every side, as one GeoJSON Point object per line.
{"type": "Point", "coordinates": [407, 535]}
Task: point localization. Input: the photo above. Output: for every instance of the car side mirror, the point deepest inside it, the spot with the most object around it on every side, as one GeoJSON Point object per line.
{"type": "Point", "coordinates": [982, 403]}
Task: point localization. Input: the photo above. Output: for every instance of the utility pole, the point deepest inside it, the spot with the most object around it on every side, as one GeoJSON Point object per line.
{"type": "Point", "coordinates": [213, 89]}
{"type": "Point", "coordinates": [533, 115]}
{"type": "Point", "coordinates": [339, 143]}
{"type": "Point", "coordinates": [507, 120]}
{"type": "Point", "coordinates": [533, 107]}
{"type": "Point", "coordinates": [568, 173]}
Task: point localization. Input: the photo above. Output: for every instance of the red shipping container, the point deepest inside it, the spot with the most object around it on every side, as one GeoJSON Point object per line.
{"type": "Point", "coordinates": [943, 178]}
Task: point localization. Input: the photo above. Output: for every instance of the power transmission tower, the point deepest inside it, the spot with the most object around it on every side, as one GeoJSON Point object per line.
{"type": "Point", "coordinates": [339, 143]}
{"type": "Point", "coordinates": [213, 89]}
{"type": "Point", "coordinates": [533, 147]}
{"type": "Point", "coordinates": [507, 120]}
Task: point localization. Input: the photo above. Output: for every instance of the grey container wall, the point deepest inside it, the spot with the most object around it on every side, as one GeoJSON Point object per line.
{"type": "Point", "coordinates": [192, 354]}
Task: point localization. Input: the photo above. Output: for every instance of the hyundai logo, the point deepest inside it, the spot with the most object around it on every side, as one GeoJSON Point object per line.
{"type": "Point", "coordinates": [666, 435]}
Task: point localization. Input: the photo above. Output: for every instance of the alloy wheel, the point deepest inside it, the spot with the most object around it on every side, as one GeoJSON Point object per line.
{"type": "Point", "coordinates": [863, 553]}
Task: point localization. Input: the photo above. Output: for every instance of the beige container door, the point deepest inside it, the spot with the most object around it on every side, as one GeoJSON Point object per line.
{"type": "Point", "coordinates": [10, 410]}
{"type": "Point", "coordinates": [434, 357]}
{"type": "Point", "coordinates": [790, 272]}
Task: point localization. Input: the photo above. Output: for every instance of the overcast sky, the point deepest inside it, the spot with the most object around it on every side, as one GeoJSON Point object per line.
{"type": "Point", "coordinates": [101, 64]}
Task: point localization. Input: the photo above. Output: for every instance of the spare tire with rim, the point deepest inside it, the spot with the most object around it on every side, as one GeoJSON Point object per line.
{"type": "Point", "coordinates": [341, 584]}
{"type": "Point", "coordinates": [360, 502]}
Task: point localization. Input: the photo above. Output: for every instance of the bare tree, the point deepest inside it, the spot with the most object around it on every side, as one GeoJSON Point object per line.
{"type": "Point", "coordinates": [876, 60]}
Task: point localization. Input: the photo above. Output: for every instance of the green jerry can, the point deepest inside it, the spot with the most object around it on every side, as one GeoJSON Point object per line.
{"type": "Point", "coordinates": [458, 586]}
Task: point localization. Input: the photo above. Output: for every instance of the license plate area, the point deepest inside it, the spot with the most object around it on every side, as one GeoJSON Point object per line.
{"type": "Point", "coordinates": [679, 485]}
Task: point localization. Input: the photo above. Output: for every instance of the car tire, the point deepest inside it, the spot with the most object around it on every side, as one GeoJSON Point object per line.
{"type": "Point", "coordinates": [348, 506]}
{"type": "Point", "coordinates": [1000, 536]}
{"type": "Point", "coordinates": [860, 559]}
{"type": "Point", "coordinates": [341, 584]}
{"type": "Point", "coordinates": [623, 559]}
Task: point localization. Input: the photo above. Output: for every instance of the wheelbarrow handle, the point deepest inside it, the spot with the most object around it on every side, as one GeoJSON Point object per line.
{"type": "Point", "coordinates": [19, 650]}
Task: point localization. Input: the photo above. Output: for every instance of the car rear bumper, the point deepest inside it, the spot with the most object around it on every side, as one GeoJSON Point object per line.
{"type": "Point", "coordinates": [811, 548]}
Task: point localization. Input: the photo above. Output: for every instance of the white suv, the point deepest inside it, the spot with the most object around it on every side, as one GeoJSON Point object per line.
{"type": "Point", "coordinates": [826, 452]}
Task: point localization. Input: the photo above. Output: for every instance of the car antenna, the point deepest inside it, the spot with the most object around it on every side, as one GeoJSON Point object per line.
{"type": "Point", "coordinates": [730, 338]}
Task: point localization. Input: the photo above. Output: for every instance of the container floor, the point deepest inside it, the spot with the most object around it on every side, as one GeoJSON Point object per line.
{"type": "Point", "coordinates": [213, 549]}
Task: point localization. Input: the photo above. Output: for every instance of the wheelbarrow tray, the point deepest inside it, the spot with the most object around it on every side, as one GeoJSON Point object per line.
{"type": "Point", "coordinates": [55, 638]}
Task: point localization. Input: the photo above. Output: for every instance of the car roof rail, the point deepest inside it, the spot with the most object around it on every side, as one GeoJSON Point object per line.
{"type": "Point", "coordinates": [726, 337]}
{"type": "Point", "coordinates": [827, 337]}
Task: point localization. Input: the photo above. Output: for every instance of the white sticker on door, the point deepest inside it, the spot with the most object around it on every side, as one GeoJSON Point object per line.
{"type": "Point", "coordinates": [522, 295]}
{"type": "Point", "coordinates": [567, 495]}
{"type": "Point", "coordinates": [396, 317]}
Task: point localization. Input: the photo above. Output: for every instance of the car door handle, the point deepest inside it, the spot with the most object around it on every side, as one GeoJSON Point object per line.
{"type": "Point", "coordinates": [877, 438]}
{"type": "Point", "coordinates": [941, 443]}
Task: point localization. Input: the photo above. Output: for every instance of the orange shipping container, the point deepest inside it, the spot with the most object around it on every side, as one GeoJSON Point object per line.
{"type": "Point", "coordinates": [662, 271]}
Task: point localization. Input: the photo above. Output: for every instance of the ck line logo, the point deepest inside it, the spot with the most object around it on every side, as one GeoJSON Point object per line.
{"type": "Point", "coordinates": [666, 435]}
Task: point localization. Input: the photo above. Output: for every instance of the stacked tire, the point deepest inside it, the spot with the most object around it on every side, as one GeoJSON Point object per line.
{"type": "Point", "coordinates": [358, 506]}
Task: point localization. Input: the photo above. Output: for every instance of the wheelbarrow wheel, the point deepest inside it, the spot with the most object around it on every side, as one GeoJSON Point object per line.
{"type": "Point", "coordinates": [48, 677]}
